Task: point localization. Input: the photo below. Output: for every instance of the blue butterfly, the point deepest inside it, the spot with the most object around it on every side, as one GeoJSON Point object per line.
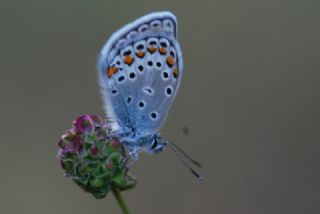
{"type": "Point", "coordinates": [140, 70]}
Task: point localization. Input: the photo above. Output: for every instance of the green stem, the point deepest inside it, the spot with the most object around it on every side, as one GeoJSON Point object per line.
{"type": "Point", "coordinates": [120, 201]}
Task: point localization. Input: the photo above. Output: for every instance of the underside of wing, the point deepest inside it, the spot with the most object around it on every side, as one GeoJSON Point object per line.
{"type": "Point", "coordinates": [140, 68]}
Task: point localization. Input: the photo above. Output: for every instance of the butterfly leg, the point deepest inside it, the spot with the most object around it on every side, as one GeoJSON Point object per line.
{"type": "Point", "coordinates": [131, 157]}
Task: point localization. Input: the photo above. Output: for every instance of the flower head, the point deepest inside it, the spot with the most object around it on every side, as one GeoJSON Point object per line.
{"type": "Point", "coordinates": [93, 160]}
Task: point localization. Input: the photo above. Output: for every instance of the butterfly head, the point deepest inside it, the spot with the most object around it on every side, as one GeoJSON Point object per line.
{"type": "Point", "coordinates": [156, 144]}
{"type": "Point", "coordinates": [151, 144]}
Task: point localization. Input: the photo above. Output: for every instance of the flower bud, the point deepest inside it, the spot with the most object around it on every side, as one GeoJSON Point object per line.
{"type": "Point", "coordinates": [93, 160]}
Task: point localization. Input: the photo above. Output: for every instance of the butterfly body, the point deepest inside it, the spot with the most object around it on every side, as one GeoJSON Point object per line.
{"type": "Point", "coordinates": [139, 70]}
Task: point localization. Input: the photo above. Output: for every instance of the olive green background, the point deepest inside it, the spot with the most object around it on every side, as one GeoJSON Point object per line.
{"type": "Point", "coordinates": [249, 97]}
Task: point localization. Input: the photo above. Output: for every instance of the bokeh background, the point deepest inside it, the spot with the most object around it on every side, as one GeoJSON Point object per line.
{"type": "Point", "coordinates": [249, 97]}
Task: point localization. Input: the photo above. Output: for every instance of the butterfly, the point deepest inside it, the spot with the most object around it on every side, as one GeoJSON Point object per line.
{"type": "Point", "coordinates": [140, 69]}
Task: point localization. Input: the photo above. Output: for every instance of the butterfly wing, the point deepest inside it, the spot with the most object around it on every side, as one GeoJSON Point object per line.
{"type": "Point", "coordinates": [140, 69]}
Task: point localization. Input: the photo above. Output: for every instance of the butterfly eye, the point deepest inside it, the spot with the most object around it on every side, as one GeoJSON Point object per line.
{"type": "Point", "coordinates": [154, 144]}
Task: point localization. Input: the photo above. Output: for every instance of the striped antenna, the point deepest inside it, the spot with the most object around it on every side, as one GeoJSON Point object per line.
{"type": "Point", "coordinates": [183, 157]}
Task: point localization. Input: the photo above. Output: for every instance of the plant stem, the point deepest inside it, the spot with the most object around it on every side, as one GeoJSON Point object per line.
{"type": "Point", "coordinates": [120, 201]}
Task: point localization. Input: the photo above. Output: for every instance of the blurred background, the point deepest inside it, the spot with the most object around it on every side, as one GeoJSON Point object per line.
{"type": "Point", "coordinates": [249, 98]}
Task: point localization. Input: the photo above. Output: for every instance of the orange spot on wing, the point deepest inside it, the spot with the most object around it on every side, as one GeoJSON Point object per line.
{"type": "Point", "coordinates": [128, 60]}
{"type": "Point", "coordinates": [162, 51]}
{"type": "Point", "coordinates": [111, 71]}
{"type": "Point", "coordinates": [140, 54]}
{"type": "Point", "coordinates": [176, 73]}
{"type": "Point", "coordinates": [170, 61]}
{"type": "Point", "coordinates": [152, 49]}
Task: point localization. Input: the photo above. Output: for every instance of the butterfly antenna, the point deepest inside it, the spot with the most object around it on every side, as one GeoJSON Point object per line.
{"type": "Point", "coordinates": [181, 156]}
{"type": "Point", "coordinates": [196, 163]}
